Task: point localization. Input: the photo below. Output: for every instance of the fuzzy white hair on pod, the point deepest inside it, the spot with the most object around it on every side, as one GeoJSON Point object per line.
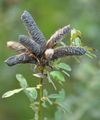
{"type": "Point", "coordinates": [49, 53]}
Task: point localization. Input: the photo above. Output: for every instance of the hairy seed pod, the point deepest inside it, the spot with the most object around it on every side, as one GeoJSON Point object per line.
{"type": "Point", "coordinates": [49, 53]}
{"type": "Point", "coordinates": [16, 46]}
{"type": "Point", "coordinates": [57, 36]}
{"type": "Point", "coordinates": [68, 51]}
{"type": "Point", "coordinates": [33, 30]}
{"type": "Point", "coordinates": [31, 45]}
{"type": "Point", "coordinates": [21, 58]}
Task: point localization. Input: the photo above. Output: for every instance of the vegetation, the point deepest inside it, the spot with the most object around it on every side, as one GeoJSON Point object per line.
{"type": "Point", "coordinates": [49, 97]}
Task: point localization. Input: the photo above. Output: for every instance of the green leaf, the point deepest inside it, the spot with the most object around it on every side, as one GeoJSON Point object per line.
{"type": "Point", "coordinates": [45, 92]}
{"type": "Point", "coordinates": [44, 104]}
{"type": "Point", "coordinates": [49, 101]}
{"type": "Point", "coordinates": [75, 38]}
{"type": "Point", "coordinates": [64, 106]}
{"type": "Point", "coordinates": [62, 95]}
{"type": "Point", "coordinates": [66, 73]}
{"type": "Point", "coordinates": [90, 55]}
{"type": "Point", "coordinates": [54, 96]}
{"type": "Point", "coordinates": [57, 76]}
{"type": "Point", "coordinates": [77, 59]}
{"type": "Point", "coordinates": [60, 101]}
{"type": "Point", "coordinates": [77, 42]}
{"type": "Point", "coordinates": [58, 115]}
{"type": "Point", "coordinates": [12, 92]}
{"type": "Point", "coordinates": [51, 81]}
{"type": "Point", "coordinates": [64, 66]}
{"type": "Point", "coordinates": [31, 92]}
{"type": "Point", "coordinates": [22, 81]}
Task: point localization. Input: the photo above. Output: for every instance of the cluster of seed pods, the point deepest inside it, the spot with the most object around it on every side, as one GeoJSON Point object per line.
{"type": "Point", "coordinates": [34, 49]}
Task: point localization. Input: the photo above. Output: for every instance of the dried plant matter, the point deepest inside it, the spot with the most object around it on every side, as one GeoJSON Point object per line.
{"type": "Point", "coordinates": [58, 36]}
{"type": "Point", "coordinates": [16, 46]}
{"type": "Point", "coordinates": [32, 29]}
{"type": "Point", "coordinates": [30, 44]}
{"type": "Point", "coordinates": [21, 58]}
{"type": "Point", "coordinates": [67, 51]}
{"type": "Point", "coordinates": [49, 53]}
{"type": "Point", "coordinates": [35, 49]}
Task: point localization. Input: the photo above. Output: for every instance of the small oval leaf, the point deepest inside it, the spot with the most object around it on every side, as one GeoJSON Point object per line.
{"type": "Point", "coordinates": [64, 66]}
{"type": "Point", "coordinates": [11, 92]}
{"type": "Point", "coordinates": [22, 81]}
{"type": "Point", "coordinates": [31, 92]}
{"type": "Point", "coordinates": [51, 81]}
{"type": "Point", "coordinates": [54, 96]}
{"type": "Point", "coordinates": [58, 76]}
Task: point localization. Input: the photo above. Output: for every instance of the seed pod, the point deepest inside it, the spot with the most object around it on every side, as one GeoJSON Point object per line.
{"type": "Point", "coordinates": [68, 51]}
{"type": "Point", "coordinates": [31, 45]}
{"type": "Point", "coordinates": [33, 30]}
{"type": "Point", "coordinates": [57, 36]}
{"type": "Point", "coordinates": [49, 53]}
{"type": "Point", "coordinates": [21, 58]}
{"type": "Point", "coordinates": [16, 46]}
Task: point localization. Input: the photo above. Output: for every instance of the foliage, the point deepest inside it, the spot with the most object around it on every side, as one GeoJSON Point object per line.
{"type": "Point", "coordinates": [35, 50]}
{"type": "Point", "coordinates": [51, 19]}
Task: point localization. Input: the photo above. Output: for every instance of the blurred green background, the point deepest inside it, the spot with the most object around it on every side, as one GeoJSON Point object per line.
{"type": "Point", "coordinates": [83, 87]}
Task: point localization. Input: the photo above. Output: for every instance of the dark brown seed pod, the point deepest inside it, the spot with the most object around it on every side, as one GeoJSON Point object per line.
{"type": "Point", "coordinates": [16, 46]}
{"type": "Point", "coordinates": [33, 30]}
{"type": "Point", "coordinates": [31, 45]}
{"type": "Point", "coordinates": [57, 36]}
{"type": "Point", "coordinates": [68, 51]}
{"type": "Point", "coordinates": [21, 58]}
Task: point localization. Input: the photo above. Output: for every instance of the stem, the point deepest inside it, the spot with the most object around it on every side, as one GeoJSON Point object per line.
{"type": "Point", "coordinates": [40, 97]}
